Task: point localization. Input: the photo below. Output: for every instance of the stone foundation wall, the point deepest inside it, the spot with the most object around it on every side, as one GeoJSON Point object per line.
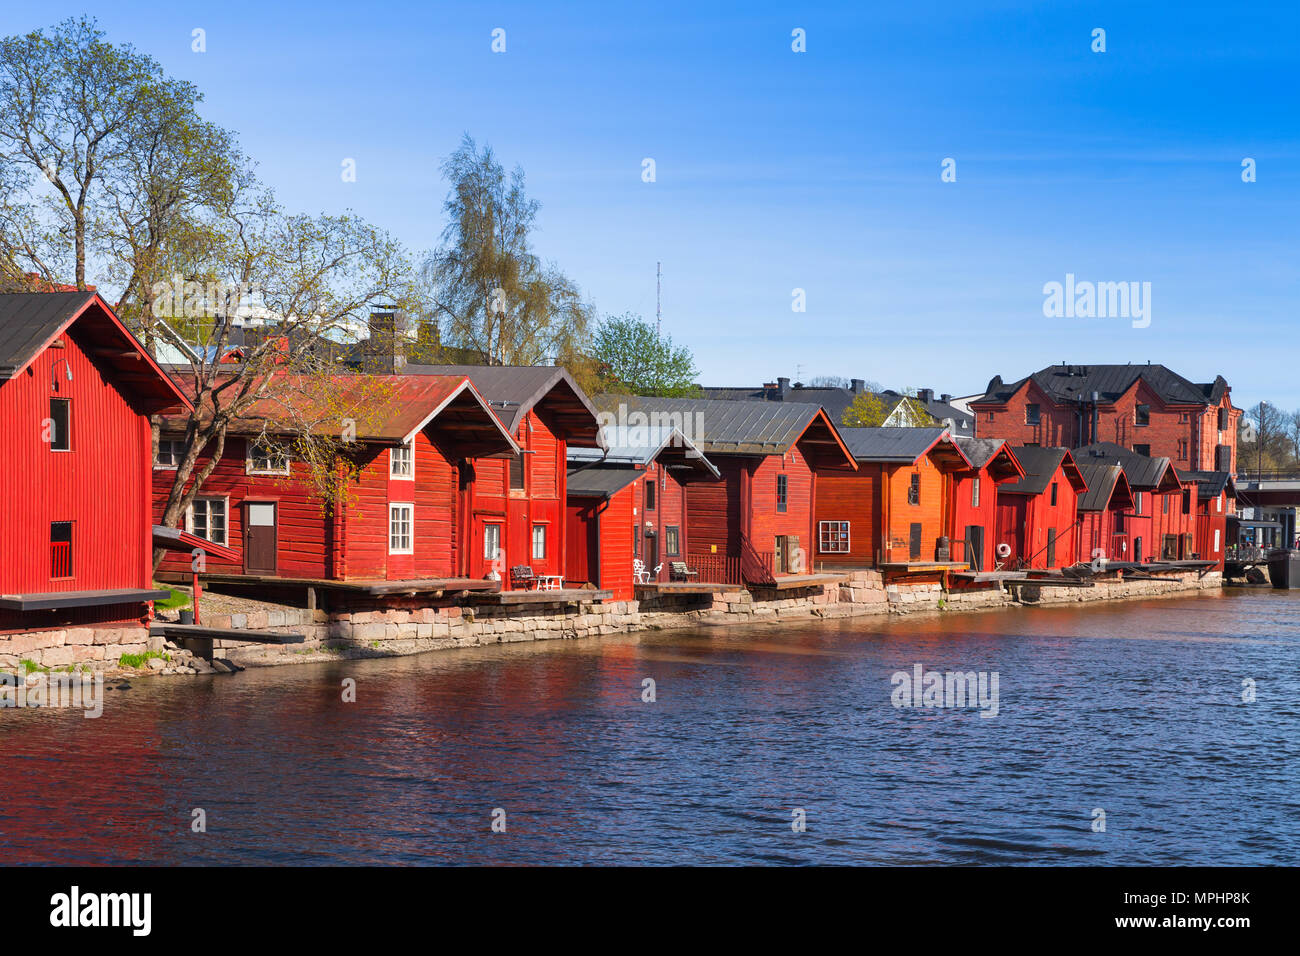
{"type": "Point", "coordinates": [97, 647]}
{"type": "Point", "coordinates": [383, 631]}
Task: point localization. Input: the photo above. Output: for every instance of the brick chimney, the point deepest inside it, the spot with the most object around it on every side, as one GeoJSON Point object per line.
{"type": "Point", "coordinates": [926, 395]}
{"type": "Point", "coordinates": [386, 347]}
{"type": "Point", "coordinates": [783, 386]}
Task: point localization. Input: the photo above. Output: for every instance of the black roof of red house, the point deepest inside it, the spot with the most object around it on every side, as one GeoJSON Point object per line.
{"type": "Point", "coordinates": [1144, 473]}
{"type": "Point", "coordinates": [1106, 483]}
{"type": "Point", "coordinates": [1210, 484]}
{"type": "Point", "coordinates": [1039, 465]}
{"type": "Point", "coordinates": [1069, 383]}
{"type": "Point", "coordinates": [30, 321]}
{"type": "Point", "coordinates": [721, 427]}
{"type": "Point", "coordinates": [897, 445]}
{"type": "Point", "coordinates": [514, 390]}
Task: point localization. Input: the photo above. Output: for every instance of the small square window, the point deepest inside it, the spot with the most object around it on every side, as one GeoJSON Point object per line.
{"type": "Point", "coordinates": [833, 537]}
{"type": "Point", "coordinates": [1142, 415]}
{"type": "Point", "coordinates": [267, 460]}
{"type": "Point", "coordinates": [1032, 414]}
{"type": "Point", "coordinates": [782, 492]}
{"type": "Point", "coordinates": [539, 542]}
{"type": "Point", "coordinates": [170, 451]}
{"type": "Point", "coordinates": [914, 490]}
{"type": "Point", "coordinates": [401, 462]}
{"type": "Point", "coordinates": [672, 540]}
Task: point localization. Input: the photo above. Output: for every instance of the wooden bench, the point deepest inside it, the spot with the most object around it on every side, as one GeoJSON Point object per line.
{"type": "Point", "coordinates": [678, 571]}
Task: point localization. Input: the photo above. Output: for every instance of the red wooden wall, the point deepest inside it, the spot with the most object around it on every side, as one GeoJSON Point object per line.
{"type": "Point", "coordinates": [101, 485]}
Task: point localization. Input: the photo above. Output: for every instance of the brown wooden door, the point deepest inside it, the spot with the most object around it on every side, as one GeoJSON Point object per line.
{"type": "Point", "coordinates": [914, 542]}
{"type": "Point", "coordinates": [260, 537]}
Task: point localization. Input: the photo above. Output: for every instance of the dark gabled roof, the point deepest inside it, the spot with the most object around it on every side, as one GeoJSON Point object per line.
{"type": "Point", "coordinates": [901, 445]}
{"type": "Point", "coordinates": [1103, 482]}
{"type": "Point", "coordinates": [1069, 383]}
{"type": "Point", "coordinates": [513, 390]}
{"type": "Point", "coordinates": [1040, 465]}
{"type": "Point", "coordinates": [982, 452]}
{"type": "Point", "coordinates": [832, 398]}
{"type": "Point", "coordinates": [720, 427]}
{"type": "Point", "coordinates": [1210, 484]}
{"type": "Point", "coordinates": [1143, 472]}
{"type": "Point", "coordinates": [641, 445]}
{"type": "Point", "coordinates": [601, 481]}
{"type": "Point", "coordinates": [30, 321]}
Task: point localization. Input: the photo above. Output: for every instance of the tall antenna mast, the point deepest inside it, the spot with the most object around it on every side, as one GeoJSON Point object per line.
{"type": "Point", "coordinates": [659, 298]}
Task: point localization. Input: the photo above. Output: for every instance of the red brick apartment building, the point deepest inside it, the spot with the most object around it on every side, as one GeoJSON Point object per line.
{"type": "Point", "coordinates": [1145, 408]}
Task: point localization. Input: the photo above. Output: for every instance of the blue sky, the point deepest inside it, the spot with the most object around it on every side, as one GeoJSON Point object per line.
{"type": "Point", "coordinates": [819, 171]}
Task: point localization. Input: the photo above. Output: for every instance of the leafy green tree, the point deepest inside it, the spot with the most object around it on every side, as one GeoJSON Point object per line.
{"type": "Point", "coordinates": [867, 410]}
{"type": "Point", "coordinates": [631, 356]}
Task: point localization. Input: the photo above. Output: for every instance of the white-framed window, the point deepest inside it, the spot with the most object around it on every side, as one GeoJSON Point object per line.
{"type": "Point", "coordinates": [401, 462]}
{"type": "Point", "coordinates": [539, 542]}
{"type": "Point", "coordinates": [491, 542]}
{"type": "Point", "coordinates": [833, 537]}
{"type": "Point", "coordinates": [975, 493]}
{"type": "Point", "coordinates": [209, 518]}
{"type": "Point", "coordinates": [264, 460]}
{"type": "Point", "coordinates": [1216, 540]}
{"type": "Point", "coordinates": [401, 528]}
{"type": "Point", "coordinates": [169, 453]}
{"type": "Point", "coordinates": [1218, 503]}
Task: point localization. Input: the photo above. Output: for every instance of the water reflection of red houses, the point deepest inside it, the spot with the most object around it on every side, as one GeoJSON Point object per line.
{"type": "Point", "coordinates": [76, 392]}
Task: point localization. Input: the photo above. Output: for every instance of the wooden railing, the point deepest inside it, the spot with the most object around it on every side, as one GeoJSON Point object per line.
{"type": "Point", "coordinates": [715, 568]}
{"type": "Point", "coordinates": [755, 568]}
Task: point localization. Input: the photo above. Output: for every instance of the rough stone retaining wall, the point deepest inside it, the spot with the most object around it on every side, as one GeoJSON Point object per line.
{"type": "Point", "coordinates": [96, 646]}
{"type": "Point", "coordinates": [383, 632]}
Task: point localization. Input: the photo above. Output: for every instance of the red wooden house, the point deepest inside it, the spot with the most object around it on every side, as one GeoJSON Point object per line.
{"type": "Point", "coordinates": [76, 393]}
{"type": "Point", "coordinates": [1037, 515]}
{"type": "Point", "coordinates": [754, 526]}
{"type": "Point", "coordinates": [974, 507]}
{"type": "Point", "coordinates": [514, 510]}
{"type": "Point", "coordinates": [1103, 513]}
{"type": "Point", "coordinates": [404, 511]}
{"type": "Point", "coordinates": [1215, 502]}
{"type": "Point", "coordinates": [628, 504]}
{"type": "Point", "coordinates": [892, 512]}
{"type": "Point", "coordinates": [1157, 504]}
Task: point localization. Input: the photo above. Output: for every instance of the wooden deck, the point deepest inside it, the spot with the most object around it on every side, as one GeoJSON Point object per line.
{"type": "Point", "coordinates": [370, 586]}
{"type": "Point", "coordinates": [980, 577]}
{"type": "Point", "coordinates": [684, 587]}
{"type": "Point", "coordinates": [922, 566]}
{"type": "Point", "coordinates": [556, 596]}
{"type": "Point", "coordinates": [69, 599]}
{"type": "Point", "coordinates": [789, 582]}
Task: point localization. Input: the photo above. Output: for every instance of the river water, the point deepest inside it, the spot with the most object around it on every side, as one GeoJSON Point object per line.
{"type": "Point", "coordinates": [1134, 709]}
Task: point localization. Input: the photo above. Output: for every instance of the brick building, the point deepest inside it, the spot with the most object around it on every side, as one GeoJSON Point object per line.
{"type": "Point", "coordinates": [1146, 408]}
